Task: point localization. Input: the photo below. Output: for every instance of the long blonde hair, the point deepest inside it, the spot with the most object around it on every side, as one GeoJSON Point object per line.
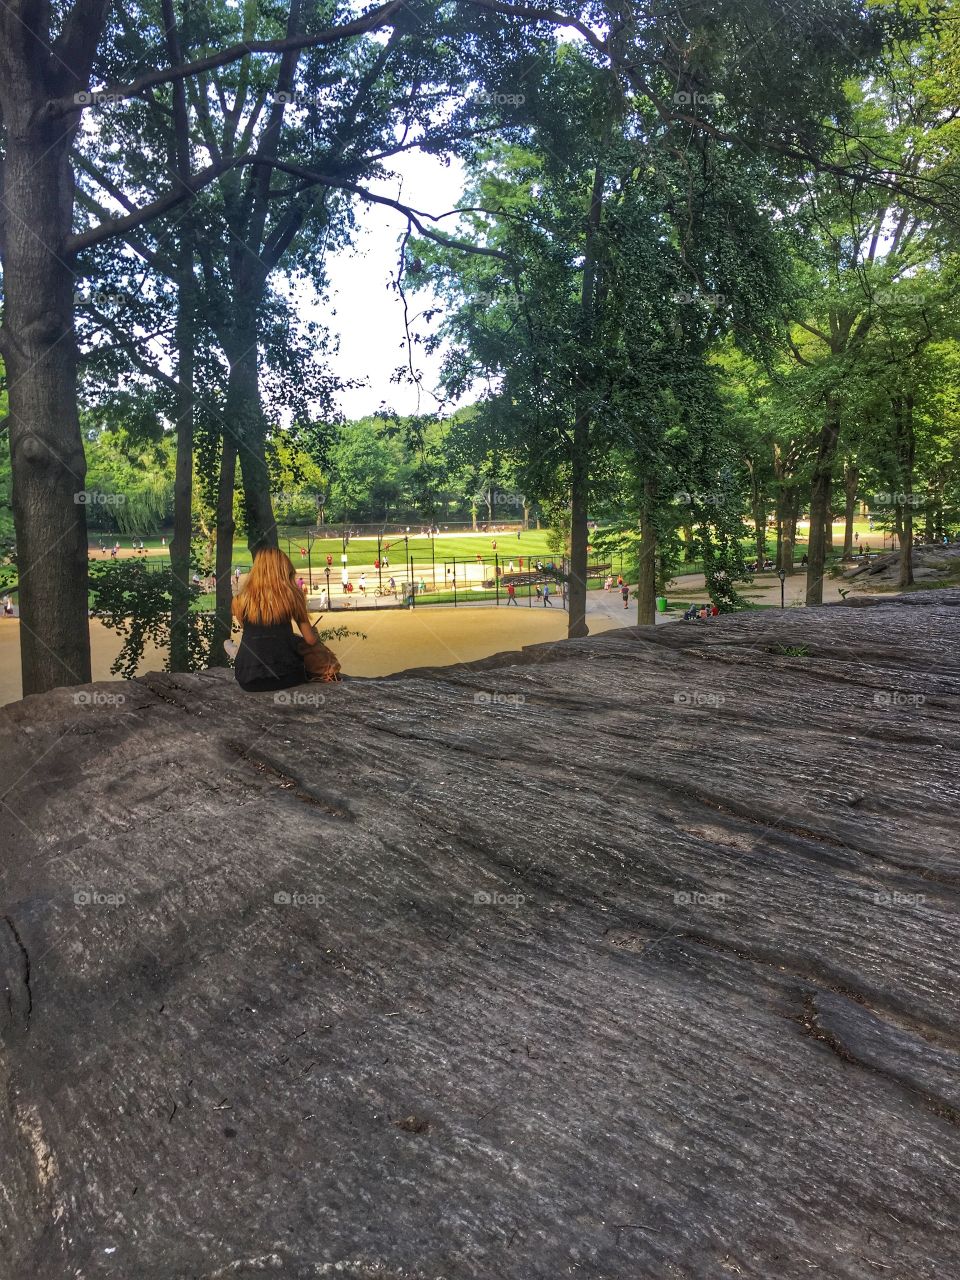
{"type": "Point", "coordinates": [270, 594]}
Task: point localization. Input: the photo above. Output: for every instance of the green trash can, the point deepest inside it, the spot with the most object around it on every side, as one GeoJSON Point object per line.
{"type": "Point", "coordinates": [661, 604]}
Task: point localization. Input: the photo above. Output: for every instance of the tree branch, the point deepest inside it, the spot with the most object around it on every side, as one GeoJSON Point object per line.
{"type": "Point", "coordinates": [382, 16]}
{"type": "Point", "coordinates": [182, 191]}
{"type": "Point", "coordinates": [413, 216]}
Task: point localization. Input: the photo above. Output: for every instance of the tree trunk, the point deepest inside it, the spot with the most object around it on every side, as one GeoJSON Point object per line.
{"type": "Point", "coordinates": [851, 478]}
{"type": "Point", "coordinates": [183, 480]}
{"type": "Point", "coordinates": [647, 565]}
{"type": "Point", "coordinates": [779, 535]}
{"type": "Point", "coordinates": [580, 456]}
{"type": "Point", "coordinates": [224, 558]}
{"type": "Point", "coordinates": [38, 345]}
{"type": "Point", "coordinates": [759, 513]}
{"type": "Point", "coordinates": [577, 585]}
{"type": "Point", "coordinates": [906, 437]}
{"type": "Point", "coordinates": [180, 604]}
{"type": "Point", "coordinates": [245, 420]}
{"type": "Point", "coordinates": [821, 493]}
{"type": "Point", "coordinates": [790, 534]}
{"type": "Point", "coordinates": [689, 549]}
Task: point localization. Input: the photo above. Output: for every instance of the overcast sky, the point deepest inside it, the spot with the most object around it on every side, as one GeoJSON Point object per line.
{"type": "Point", "coordinates": [369, 315]}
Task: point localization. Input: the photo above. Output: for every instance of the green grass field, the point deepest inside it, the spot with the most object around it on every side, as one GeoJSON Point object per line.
{"type": "Point", "coordinates": [361, 552]}
{"type": "Point", "coordinates": [446, 549]}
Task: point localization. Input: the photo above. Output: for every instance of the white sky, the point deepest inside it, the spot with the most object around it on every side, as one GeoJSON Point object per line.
{"type": "Point", "coordinates": [369, 315]}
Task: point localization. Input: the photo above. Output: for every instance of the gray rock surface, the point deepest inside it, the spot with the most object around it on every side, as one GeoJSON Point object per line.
{"type": "Point", "coordinates": [634, 956]}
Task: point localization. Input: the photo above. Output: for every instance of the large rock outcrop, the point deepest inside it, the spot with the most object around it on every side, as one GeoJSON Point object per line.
{"type": "Point", "coordinates": [634, 956]}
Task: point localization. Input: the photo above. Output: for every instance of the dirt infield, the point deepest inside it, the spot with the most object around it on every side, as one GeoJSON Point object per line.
{"type": "Point", "coordinates": [396, 639]}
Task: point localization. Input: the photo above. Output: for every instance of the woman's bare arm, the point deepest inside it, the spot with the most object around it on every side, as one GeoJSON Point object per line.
{"type": "Point", "coordinates": [306, 629]}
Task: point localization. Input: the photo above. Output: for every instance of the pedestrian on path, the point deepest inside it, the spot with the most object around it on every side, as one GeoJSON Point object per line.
{"type": "Point", "coordinates": [546, 595]}
{"type": "Point", "coordinates": [511, 593]}
{"type": "Point", "coordinates": [625, 595]}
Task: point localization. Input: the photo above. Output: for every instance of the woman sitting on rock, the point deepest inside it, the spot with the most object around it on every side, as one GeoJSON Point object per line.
{"type": "Point", "coordinates": [270, 656]}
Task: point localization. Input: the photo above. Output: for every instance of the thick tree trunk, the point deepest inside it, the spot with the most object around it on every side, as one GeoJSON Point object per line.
{"type": "Point", "coordinates": [647, 564]}
{"type": "Point", "coordinates": [689, 549]}
{"type": "Point", "coordinates": [788, 510]}
{"type": "Point", "coordinates": [180, 543]}
{"type": "Point", "coordinates": [183, 480]}
{"type": "Point", "coordinates": [851, 478]}
{"type": "Point", "coordinates": [779, 560]}
{"type": "Point", "coordinates": [579, 486]}
{"type": "Point", "coordinates": [39, 350]}
{"type": "Point", "coordinates": [580, 456]}
{"type": "Point", "coordinates": [245, 420]}
{"type": "Point", "coordinates": [758, 509]}
{"type": "Point", "coordinates": [821, 493]}
{"type": "Point", "coordinates": [224, 558]}
{"type": "Point", "coordinates": [907, 455]}
{"type": "Point", "coordinates": [788, 551]}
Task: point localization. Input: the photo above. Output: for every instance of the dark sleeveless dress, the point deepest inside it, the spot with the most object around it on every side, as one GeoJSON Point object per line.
{"type": "Point", "coordinates": [268, 658]}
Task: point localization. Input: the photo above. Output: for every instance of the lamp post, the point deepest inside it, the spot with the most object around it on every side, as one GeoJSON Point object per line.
{"type": "Point", "coordinates": [782, 575]}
